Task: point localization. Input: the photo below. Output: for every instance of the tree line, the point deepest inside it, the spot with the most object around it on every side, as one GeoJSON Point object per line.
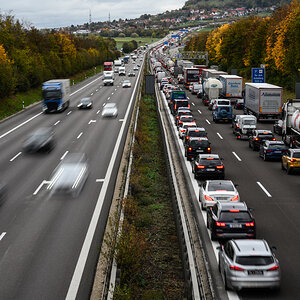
{"type": "Point", "coordinates": [29, 56]}
{"type": "Point", "coordinates": [250, 42]}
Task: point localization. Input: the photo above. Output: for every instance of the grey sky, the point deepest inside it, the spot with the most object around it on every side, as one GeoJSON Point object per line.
{"type": "Point", "coordinates": [55, 13]}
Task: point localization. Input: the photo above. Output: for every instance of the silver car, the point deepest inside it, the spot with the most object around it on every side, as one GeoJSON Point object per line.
{"type": "Point", "coordinates": [248, 264]}
{"type": "Point", "coordinates": [110, 110]}
{"type": "Point", "coordinates": [70, 175]}
{"type": "Point", "coordinates": [212, 191]}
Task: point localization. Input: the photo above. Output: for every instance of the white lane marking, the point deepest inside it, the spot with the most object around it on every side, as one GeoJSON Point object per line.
{"type": "Point", "coordinates": [219, 135]}
{"type": "Point", "coordinates": [15, 156]}
{"type": "Point", "coordinates": [199, 111]}
{"type": "Point", "coordinates": [40, 186]}
{"type": "Point", "coordinates": [237, 157]}
{"type": "Point", "coordinates": [79, 135]}
{"type": "Point", "coordinates": [20, 125]}
{"type": "Point", "coordinates": [99, 180]}
{"type": "Point", "coordinates": [64, 155]}
{"type": "Point", "coordinates": [188, 98]}
{"type": "Point", "coordinates": [98, 112]}
{"type": "Point", "coordinates": [2, 235]}
{"type": "Point", "coordinates": [77, 275]}
{"type": "Point", "coordinates": [193, 103]}
{"type": "Point", "coordinates": [207, 122]}
{"type": "Point", "coordinates": [103, 104]}
{"type": "Point", "coordinates": [97, 90]}
{"type": "Point", "coordinates": [115, 89]}
{"type": "Point", "coordinates": [121, 120]}
{"type": "Point", "coordinates": [92, 121]}
{"type": "Point", "coordinates": [56, 122]}
{"type": "Point", "coordinates": [92, 94]}
{"type": "Point", "coordinates": [112, 94]}
{"type": "Point", "coordinates": [108, 98]}
{"type": "Point", "coordinates": [69, 112]}
{"type": "Point", "coordinates": [85, 86]}
{"type": "Point", "coordinates": [264, 189]}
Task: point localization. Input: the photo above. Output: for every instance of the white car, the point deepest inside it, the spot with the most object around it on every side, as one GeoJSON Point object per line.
{"type": "Point", "coordinates": [182, 130]}
{"type": "Point", "coordinates": [110, 110]}
{"type": "Point", "coordinates": [212, 191]}
{"type": "Point", "coordinates": [135, 68]}
{"type": "Point", "coordinates": [126, 84]}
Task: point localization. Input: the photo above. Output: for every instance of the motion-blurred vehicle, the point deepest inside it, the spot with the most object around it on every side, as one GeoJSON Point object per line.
{"type": "Point", "coordinates": [85, 103]}
{"type": "Point", "coordinates": [110, 110]}
{"type": "Point", "coordinates": [131, 73]}
{"type": "Point", "coordinates": [126, 84]}
{"type": "Point", "coordinates": [40, 140]}
{"type": "Point", "coordinates": [230, 220]}
{"type": "Point", "coordinates": [70, 175]}
{"type": "Point", "coordinates": [290, 161]}
{"type": "Point", "coordinates": [272, 150]}
{"type": "Point", "coordinates": [249, 263]}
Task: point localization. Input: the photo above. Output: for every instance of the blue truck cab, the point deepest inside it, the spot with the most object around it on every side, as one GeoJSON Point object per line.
{"type": "Point", "coordinates": [222, 113]}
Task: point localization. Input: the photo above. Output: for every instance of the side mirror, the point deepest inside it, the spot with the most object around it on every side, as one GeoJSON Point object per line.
{"type": "Point", "coordinates": [236, 185]}
{"type": "Point", "coordinates": [251, 209]}
{"type": "Point", "coordinates": [273, 248]}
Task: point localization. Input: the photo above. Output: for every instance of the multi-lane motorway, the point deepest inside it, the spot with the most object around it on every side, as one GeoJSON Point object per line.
{"type": "Point", "coordinates": [50, 244]}
{"type": "Point", "coordinates": [267, 189]}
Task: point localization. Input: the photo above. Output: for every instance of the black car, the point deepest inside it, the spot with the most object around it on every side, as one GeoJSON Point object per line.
{"type": "Point", "coordinates": [258, 137]}
{"type": "Point", "coordinates": [41, 140]}
{"type": "Point", "coordinates": [194, 132]}
{"type": "Point", "coordinates": [230, 220]}
{"type": "Point", "coordinates": [85, 103]}
{"type": "Point", "coordinates": [195, 145]}
{"type": "Point", "coordinates": [208, 165]}
{"type": "Point", "coordinates": [272, 150]}
{"type": "Point", "coordinates": [179, 103]}
{"type": "Point", "coordinates": [182, 112]}
{"type": "Point", "coordinates": [239, 104]}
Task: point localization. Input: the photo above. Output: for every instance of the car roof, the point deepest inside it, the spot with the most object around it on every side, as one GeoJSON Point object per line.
{"type": "Point", "coordinates": [209, 155]}
{"type": "Point", "coordinates": [197, 128]}
{"type": "Point", "coordinates": [226, 206]}
{"type": "Point", "coordinates": [189, 124]}
{"type": "Point", "coordinates": [248, 247]}
{"type": "Point", "coordinates": [198, 139]}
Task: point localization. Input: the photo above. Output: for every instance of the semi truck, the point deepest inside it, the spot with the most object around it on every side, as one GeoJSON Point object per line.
{"type": "Point", "coordinates": [108, 66]}
{"type": "Point", "coordinates": [56, 95]}
{"type": "Point", "coordinates": [263, 100]}
{"type": "Point", "coordinates": [108, 78]}
{"type": "Point", "coordinates": [232, 86]}
{"type": "Point", "coordinates": [117, 64]}
{"type": "Point", "coordinates": [291, 123]}
{"type": "Point", "coordinates": [211, 89]}
{"type": "Point", "coordinates": [190, 75]}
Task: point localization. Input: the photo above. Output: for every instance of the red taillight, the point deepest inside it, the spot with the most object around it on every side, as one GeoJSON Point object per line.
{"type": "Point", "coordinates": [190, 149]}
{"type": "Point", "coordinates": [208, 198]}
{"type": "Point", "coordinates": [220, 167]}
{"type": "Point", "coordinates": [187, 137]}
{"type": "Point", "coordinates": [234, 210]}
{"type": "Point", "coordinates": [175, 106]}
{"type": "Point", "coordinates": [209, 158]}
{"type": "Point", "coordinates": [235, 268]}
{"type": "Point", "coordinates": [200, 167]}
{"type": "Point", "coordinates": [274, 139]}
{"type": "Point", "coordinates": [208, 149]}
{"type": "Point", "coordinates": [251, 224]}
{"type": "Point", "coordinates": [180, 122]}
{"type": "Point", "coordinates": [293, 159]}
{"type": "Point", "coordinates": [235, 198]}
{"type": "Point", "coordinates": [269, 150]}
{"type": "Point", "coordinates": [189, 106]}
{"type": "Point", "coordinates": [256, 139]}
{"type": "Point", "coordinates": [220, 224]}
{"type": "Point", "coordinates": [177, 117]}
{"type": "Point", "coordinates": [237, 126]}
{"type": "Point", "coordinates": [275, 268]}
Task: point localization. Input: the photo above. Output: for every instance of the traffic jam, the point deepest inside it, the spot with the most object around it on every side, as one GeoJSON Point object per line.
{"type": "Point", "coordinates": [244, 262]}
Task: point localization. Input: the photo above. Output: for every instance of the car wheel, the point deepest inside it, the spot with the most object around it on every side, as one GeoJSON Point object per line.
{"type": "Point", "coordinates": [202, 207]}
{"type": "Point", "coordinates": [207, 223]}
{"type": "Point", "coordinates": [289, 170]}
{"type": "Point", "coordinates": [226, 283]}
{"type": "Point", "coordinates": [195, 176]}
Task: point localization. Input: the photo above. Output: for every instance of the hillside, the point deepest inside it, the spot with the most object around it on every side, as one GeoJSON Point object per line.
{"type": "Point", "coordinates": [232, 3]}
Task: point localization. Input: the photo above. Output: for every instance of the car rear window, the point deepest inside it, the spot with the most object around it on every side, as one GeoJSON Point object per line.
{"type": "Point", "coordinates": [197, 134]}
{"type": "Point", "coordinates": [187, 118]}
{"type": "Point", "coordinates": [223, 102]}
{"type": "Point", "coordinates": [249, 122]}
{"type": "Point", "coordinates": [254, 260]}
{"type": "Point", "coordinates": [277, 146]}
{"type": "Point", "coordinates": [296, 155]}
{"type": "Point", "coordinates": [266, 136]}
{"type": "Point", "coordinates": [211, 162]}
{"type": "Point", "coordinates": [242, 216]}
{"type": "Point", "coordinates": [218, 186]}
{"type": "Point", "coordinates": [203, 144]}
{"type": "Point", "coordinates": [182, 103]}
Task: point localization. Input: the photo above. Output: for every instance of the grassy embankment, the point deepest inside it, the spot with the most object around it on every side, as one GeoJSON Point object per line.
{"type": "Point", "coordinates": [148, 251]}
{"type": "Point", "coordinates": [141, 41]}
{"type": "Point", "coordinates": [13, 104]}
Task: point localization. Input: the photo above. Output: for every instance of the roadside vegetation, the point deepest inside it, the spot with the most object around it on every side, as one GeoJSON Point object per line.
{"type": "Point", "coordinates": [148, 252]}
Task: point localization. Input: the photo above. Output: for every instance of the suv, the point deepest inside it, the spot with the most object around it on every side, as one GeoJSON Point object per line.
{"type": "Point", "coordinates": [195, 145]}
{"type": "Point", "coordinates": [194, 132]}
{"type": "Point", "coordinates": [272, 149]}
{"type": "Point", "coordinates": [291, 160]}
{"type": "Point", "coordinates": [258, 137]}
{"type": "Point", "coordinates": [184, 127]}
{"type": "Point", "coordinates": [222, 113]}
{"type": "Point", "coordinates": [230, 220]}
{"type": "Point", "coordinates": [243, 125]}
{"type": "Point", "coordinates": [206, 165]}
{"type": "Point", "coordinates": [218, 102]}
{"type": "Point", "coordinates": [182, 112]}
{"type": "Point", "coordinates": [249, 264]}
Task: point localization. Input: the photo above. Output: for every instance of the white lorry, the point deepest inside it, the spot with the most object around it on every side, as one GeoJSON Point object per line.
{"type": "Point", "coordinates": [263, 100]}
{"type": "Point", "coordinates": [108, 78]}
{"type": "Point", "coordinates": [122, 71]}
{"type": "Point", "coordinates": [291, 123]}
{"type": "Point", "coordinates": [117, 64]}
{"type": "Point", "coordinates": [211, 89]}
{"type": "Point", "coordinates": [232, 86]}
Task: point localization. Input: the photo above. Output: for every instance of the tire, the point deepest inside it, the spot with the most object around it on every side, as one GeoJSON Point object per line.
{"type": "Point", "coordinates": [207, 223]}
{"type": "Point", "coordinates": [213, 235]}
{"type": "Point", "coordinates": [195, 176]}
{"type": "Point", "coordinates": [202, 207]}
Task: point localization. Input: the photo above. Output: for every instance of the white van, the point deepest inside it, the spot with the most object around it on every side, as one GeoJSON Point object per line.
{"type": "Point", "coordinates": [220, 102]}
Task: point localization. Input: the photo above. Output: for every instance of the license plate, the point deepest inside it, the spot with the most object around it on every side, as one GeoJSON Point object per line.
{"type": "Point", "coordinates": [200, 151]}
{"type": "Point", "coordinates": [277, 151]}
{"type": "Point", "coordinates": [221, 198]}
{"type": "Point", "coordinates": [255, 272]}
{"type": "Point", "coordinates": [210, 169]}
{"type": "Point", "coordinates": [235, 225]}
{"type": "Point", "coordinates": [225, 118]}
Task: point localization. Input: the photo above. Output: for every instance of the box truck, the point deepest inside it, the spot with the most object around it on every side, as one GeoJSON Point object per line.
{"type": "Point", "coordinates": [232, 86]}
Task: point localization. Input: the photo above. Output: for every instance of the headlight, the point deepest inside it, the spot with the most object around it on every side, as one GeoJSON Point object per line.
{"type": "Point", "coordinates": [79, 105]}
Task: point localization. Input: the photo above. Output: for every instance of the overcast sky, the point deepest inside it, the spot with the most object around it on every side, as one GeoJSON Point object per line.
{"type": "Point", "coordinates": [59, 13]}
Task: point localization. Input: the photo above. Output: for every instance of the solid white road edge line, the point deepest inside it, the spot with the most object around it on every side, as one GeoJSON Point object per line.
{"type": "Point", "coordinates": [2, 235]}
{"type": "Point", "coordinates": [264, 189]}
{"type": "Point", "coordinates": [219, 135]}
{"type": "Point", "coordinates": [64, 155]}
{"type": "Point", "coordinates": [77, 275]}
{"type": "Point", "coordinates": [237, 157]}
{"type": "Point", "coordinates": [15, 156]}
{"type": "Point", "coordinates": [99, 180]}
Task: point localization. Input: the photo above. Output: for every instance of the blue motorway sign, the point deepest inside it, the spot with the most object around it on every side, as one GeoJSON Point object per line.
{"type": "Point", "coordinates": [166, 43]}
{"type": "Point", "coordinates": [175, 35]}
{"type": "Point", "coordinates": [258, 75]}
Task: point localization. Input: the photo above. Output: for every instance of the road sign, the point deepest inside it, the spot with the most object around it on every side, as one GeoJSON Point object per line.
{"type": "Point", "coordinates": [166, 43]}
{"type": "Point", "coordinates": [175, 36]}
{"type": "Point", "coordinates": [258, 75]}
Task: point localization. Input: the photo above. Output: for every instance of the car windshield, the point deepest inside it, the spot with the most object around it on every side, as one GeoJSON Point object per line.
{"type": "Point", "coordinates": [277, 146]}
{"type": "Point", "coordinates": [126, 81]}
{"type": "Point", "coordinates": [110, 105]}
{"type": "Point", "coordinates": [85, 101]}
{"type": "Point", "coordinates": [254, 260]}
{"type": "Point", "coordinates": [249, 122]}
{"type": "Point", "coordinates": [202, 144]}
{"type": "Point", "coordinates": [220, 186]}
{"type": "Point", "coordinates": [242, 216]}
{"type": "Point", "coordinates": [197, 133]}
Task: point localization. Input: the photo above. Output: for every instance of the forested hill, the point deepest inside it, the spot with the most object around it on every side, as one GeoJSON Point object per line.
{"type": "Point", "coordinates": [198, 4]}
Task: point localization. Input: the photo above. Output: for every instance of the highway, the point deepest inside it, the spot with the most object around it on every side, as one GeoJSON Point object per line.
{"type": "Point", "coordinates": [267, 189]}
{"type": "Point", "coordinates": [49, 244]}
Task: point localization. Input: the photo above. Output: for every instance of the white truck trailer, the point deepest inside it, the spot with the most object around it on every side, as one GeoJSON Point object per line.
{"type": "Point", "coordinates": [232, 86]}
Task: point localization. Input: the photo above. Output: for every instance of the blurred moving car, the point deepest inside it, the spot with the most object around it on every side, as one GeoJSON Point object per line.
{"type": "Point", "coordinates": [230, 220]}
{"type": "Point", "coordinates": [110, 110]}
{"type": "Point", "coordinates": [131, 73]}
{"type": "Point", "coordinates": [126, 84]}
{"type": "Point", "coordinates": [135, 68]}
{"type": "Point", "coordinates": [70, 175]}
{"type": "Point", "coordinates": [85, 103]}
{"type": "Point", "coordinates": [290, 161]}
{"type": "Point", "coordinates": [249, 264]}
{"type": "Point", "coordinates": [41, 140]}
